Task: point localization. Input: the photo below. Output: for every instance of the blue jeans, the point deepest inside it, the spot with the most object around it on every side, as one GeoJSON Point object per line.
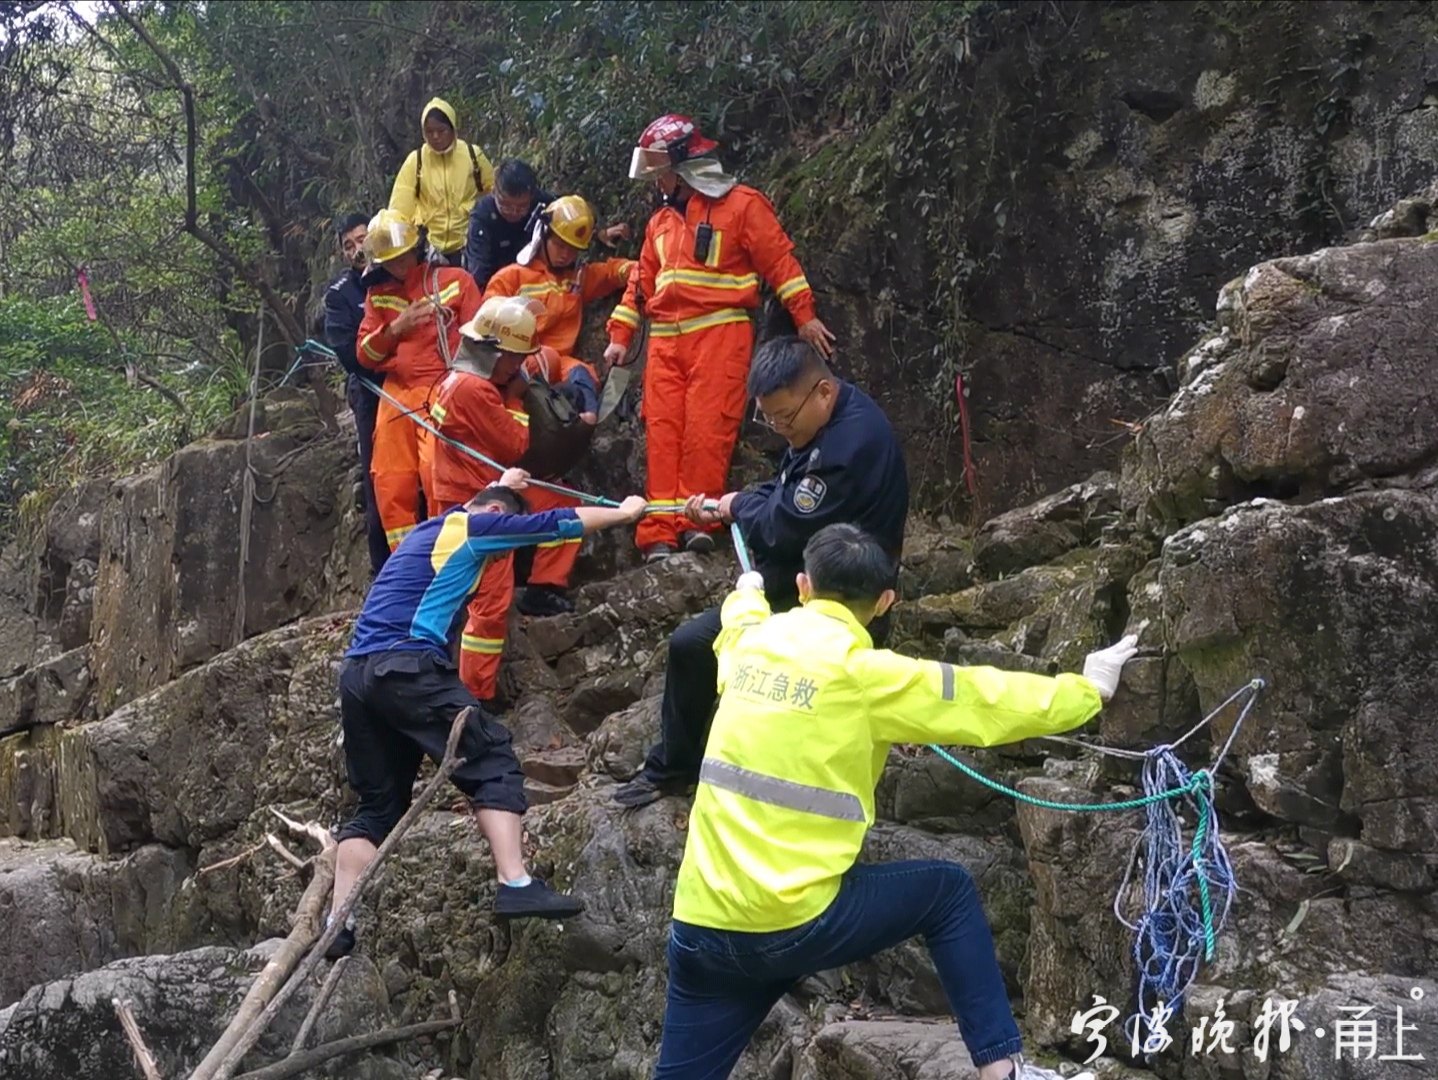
{"type": "Point", "coordinates": [722, 983]}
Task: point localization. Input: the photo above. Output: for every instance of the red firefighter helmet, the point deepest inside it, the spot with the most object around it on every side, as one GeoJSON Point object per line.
{"type": "Point", "coordinates": [665, 143]}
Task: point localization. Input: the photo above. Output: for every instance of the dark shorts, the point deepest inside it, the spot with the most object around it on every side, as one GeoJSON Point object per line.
{"type": "Point", "coordinates": [395, 708]}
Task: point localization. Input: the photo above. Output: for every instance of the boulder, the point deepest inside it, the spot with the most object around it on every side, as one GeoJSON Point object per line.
{"type": "Point", "coordinates": [67, 1029]}
{"type": "Point", "coordinates": [67, 912]}
{"type": "Point", "coordinates": [171, 545]}
{"type": "Point", "coordinates": [1042, 531]}
{"type": "Point", "coordinates": [885, 1050]}
{"type": "Point", "coordinates": [190, 762]}
{"type": "Point", "coordinates": [1320, 377]}
{"type": "Point", "coordinates": [1330, 603]}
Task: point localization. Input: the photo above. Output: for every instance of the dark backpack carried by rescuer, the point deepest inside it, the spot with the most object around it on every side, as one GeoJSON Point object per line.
{"type": "Point", "coordinates": [558, 438]}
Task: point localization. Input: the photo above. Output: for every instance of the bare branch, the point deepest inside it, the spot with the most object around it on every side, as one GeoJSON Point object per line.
{"type": "Point", "coordinates": [143, 1057]}
{"type": "Point", "coordinates": [317, 1009]}
{"type": "Point", "coordinates": [231, 861]}
{"type": "Point", "coordinates": [279, 971]}
{"type": "Point", "coordinates": [242, 1045]}
{"type": "Point", "coordinates": [295, 1064]}
{"type": "Point", "coordinates": [284, 852]}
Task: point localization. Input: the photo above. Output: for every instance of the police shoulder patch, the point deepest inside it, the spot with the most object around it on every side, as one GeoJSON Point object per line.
{"type": "Point", "coordinates": [809, 494]}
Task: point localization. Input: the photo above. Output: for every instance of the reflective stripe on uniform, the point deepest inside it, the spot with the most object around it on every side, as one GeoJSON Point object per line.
{"type": "Point", "coordinates": [520, 415]}
{"type": "Point", "coordinates": [840, 805]}
{"type": "Point", "coordinates": [394, 536]}
{"type": "Point", "coordinates": [371, 353]}
{"type": "Point", "coordinates": [560, 543]}
{"type": "Point", "coordinates": [449, 292]}
{"type": "Point", "coordinates": [392, 303]}
{"type": "Point", "coordinates": [626, 315]}
{"type": "Point", "coordinates": [544, 288]}
{"type": "Point", "coordinates": [488, 646]}
{"type": "Point", "coordinates": [946, 673]}
{"type": "Point", "coordinates": [791, 287]}
{"type": "Point", "coordinates": [706, 278]}
{"type": "Point", "coordinates": [702, 322]}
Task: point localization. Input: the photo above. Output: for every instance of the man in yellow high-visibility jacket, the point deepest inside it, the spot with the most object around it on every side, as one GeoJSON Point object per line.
{"type": "Point", "coordinates": [769, 892]}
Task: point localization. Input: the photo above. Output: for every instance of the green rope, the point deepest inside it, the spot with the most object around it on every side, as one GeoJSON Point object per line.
{"type": "Point", "coordinates": [1126, 804]}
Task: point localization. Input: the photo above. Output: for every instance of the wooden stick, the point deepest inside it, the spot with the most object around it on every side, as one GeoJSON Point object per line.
{"type": "Point", "coordinates": [321, 1000]}
{"type": "Point", "coordinates": [284, 852]}
{"type": "Point", "coordinates": [143, 1057]}
{"type": "Point", "coordinates": [223, 863]}
{"type": "Point", "coordinates": [245, 1043]}
{"type": "Point", "coordinates": [309, 917]}
{"type": "Point", "coordinates": [295, 1064]}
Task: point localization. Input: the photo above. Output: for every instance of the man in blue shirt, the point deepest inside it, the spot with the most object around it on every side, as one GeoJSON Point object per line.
{"type": "Point", "coordinates": [400, 690]}
{"type": "Point", "coordinates": [844, 465]}
{"type": "Point", "coordinates": [344, 308]}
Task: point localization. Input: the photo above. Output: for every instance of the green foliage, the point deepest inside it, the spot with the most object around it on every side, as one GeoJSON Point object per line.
{"type": "Point", "coordinates": [67, 412]}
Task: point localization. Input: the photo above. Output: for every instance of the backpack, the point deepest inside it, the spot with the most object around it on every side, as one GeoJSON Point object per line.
{"type": "Point", "coordinates": [473, 160]}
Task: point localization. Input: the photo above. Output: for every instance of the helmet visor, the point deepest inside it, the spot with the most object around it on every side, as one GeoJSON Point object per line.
{"type": "Point", "coordinates": [648, 163]}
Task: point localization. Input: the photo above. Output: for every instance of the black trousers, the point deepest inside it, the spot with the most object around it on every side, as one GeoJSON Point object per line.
{"type": "Point", "coordinates": [691, 694]}
{"type": "Point", "coordinates": [397, 707]}
{"type": "Point", "coordinates": [365, 405]}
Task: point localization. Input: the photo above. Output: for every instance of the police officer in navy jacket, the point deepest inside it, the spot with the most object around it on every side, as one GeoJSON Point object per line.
{"type": "Point", "coordinates": [843, 464]}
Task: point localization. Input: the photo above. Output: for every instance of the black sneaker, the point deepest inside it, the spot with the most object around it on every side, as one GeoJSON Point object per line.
{"type": "Point", "coordinates": [342, 945]}
{"type": "Point", "coordinates": [544, 600]}
{"type": "Point", "coordinates": [535, 901]}
{"type": "Point", "coordinates": [700, 543]}
{"type": "Point", "coordinates": [658, 552]}
{"type": "Point", "coordinates": [642, 790]}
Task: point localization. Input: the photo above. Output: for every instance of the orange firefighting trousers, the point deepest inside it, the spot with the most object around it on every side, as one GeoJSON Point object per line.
{"type": "Point", "coordinates": [694, 397]}
{"type": "Point", "coordinates": [554, 561]}
{"type": "Point", "coordinates": [395, 465]}
{"type": "Point", "coordinates": [482, 645]}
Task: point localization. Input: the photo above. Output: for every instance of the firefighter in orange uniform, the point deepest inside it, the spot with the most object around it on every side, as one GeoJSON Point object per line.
{"type": "Point", "coordinates": [470, 408]}
{"type": "Point", "coordinates": [400, 335]}
{"type": "Point", "coordinates": [547, 270]}
{"type": "Point", "coordinates": [705, 251]}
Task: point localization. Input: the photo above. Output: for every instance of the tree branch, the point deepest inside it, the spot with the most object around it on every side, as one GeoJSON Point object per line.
{"type": "Point", "coordinates": [317, 1009]}
{"type": "Point", "coordinates": [144, 1059]}
{"type": "Point", "coordinates": [295, 1064]}
{"type": "Point", "coordinates": [243, 1044]}
{"type": "Point", "coordinates": [278, 973]}
{"type": "Point", "coordinates": [289, 326]}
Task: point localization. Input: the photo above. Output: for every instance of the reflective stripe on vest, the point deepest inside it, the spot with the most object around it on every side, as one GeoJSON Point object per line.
{"type": "Point", "coordinates": [840, 805]}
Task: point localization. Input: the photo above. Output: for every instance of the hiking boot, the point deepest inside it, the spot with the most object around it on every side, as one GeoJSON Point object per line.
{"type": "Point", "coordinates": [342, 945]}
{"type": "Point", "coordinates": [700, 543]}
{"type": "Point", "coordinates": [658, 552]}
{"type": "Point", "coordinates": [642, 790]}
{"type": "Point", "coordinates": [535, 901]}
{"type": "Point", "coordinates": [545, 600]}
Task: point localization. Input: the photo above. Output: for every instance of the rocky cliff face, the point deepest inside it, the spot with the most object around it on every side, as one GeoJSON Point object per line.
{"type": "Point", "coordinates": [1276, 518]}
{"type": "Point", "coordinates": [1056, 218]}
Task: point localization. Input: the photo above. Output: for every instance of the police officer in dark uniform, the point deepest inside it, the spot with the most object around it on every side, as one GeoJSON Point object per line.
{"type": "Point", "coordinates": [501, 223]}
{"type": "Point", "coordinates": [344, 308]}
{"type": "Point", "coordinates": [844, 464]}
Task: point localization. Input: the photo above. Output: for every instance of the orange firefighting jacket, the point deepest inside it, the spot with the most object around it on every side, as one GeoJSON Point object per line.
{"type": "Point", "coordinates": [682, 294]}
{"type": "Point", "coordinates": [562, 292]}
{"type": "Point", "coordinates": [416, 359]}
{"type": "Point", "coordinates": [471, 409]}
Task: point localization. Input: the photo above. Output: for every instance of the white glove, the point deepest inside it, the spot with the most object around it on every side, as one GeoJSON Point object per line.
{"type": "Point", "coordinates": [1103, 668]}
{"type": "Point", "coordinates": [750, 580]}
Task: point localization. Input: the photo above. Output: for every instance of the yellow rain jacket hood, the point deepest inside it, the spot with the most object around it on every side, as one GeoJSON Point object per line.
{"type": "Point", "coordinates": [439, 190]}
